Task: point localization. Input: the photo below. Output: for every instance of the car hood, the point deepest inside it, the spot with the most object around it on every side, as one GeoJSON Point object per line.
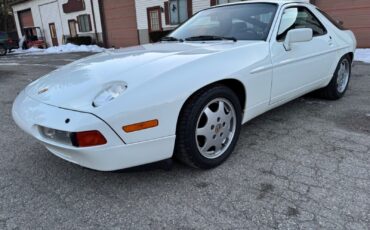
{"type": "Point", "coordinates": [74, 86]}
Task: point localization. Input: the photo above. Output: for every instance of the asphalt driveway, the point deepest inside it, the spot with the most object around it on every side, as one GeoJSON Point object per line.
{"type": "Point", "coordinates": [304, 165]}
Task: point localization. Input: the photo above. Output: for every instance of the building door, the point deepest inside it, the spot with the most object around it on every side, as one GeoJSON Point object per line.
{"type": "Point", "coordinates": [72, 28]}
{"type": "Point", "coordinates": [53, 34]}
{"type": "Point", "coordinates": [155, 24]}
{"type": "Point", "coordinates": [154, 19]}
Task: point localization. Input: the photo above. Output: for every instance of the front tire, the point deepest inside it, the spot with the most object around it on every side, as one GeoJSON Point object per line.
{"type": "Point", "coordinates": [208, 127]}
{"type": "Point", "coordinates": [339, 83]}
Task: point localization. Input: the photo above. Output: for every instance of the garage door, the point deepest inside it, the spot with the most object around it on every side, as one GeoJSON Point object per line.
{"type": "Point", "coordinates": [25, 18]}
{"type": "Point", "coordinates": [119, 19]}
{"type": "Point", "coordinates": [355, 15]}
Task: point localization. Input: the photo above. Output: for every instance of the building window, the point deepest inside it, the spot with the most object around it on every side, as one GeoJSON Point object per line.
{"type": "Point", "coordinates": [84, 23]}
{"type": "Point", "coordinates": [178, 11]}
{"type": "Point", "coordinates": [154, 19]}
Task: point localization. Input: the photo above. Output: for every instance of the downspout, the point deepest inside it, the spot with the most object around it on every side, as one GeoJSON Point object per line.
{"type": "Point", "coordinates": [102, 19]}
{"type": "Point", "coordinates": [93, 15]}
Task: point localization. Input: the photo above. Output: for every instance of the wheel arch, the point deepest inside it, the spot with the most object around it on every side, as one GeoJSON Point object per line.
{"type": "Point", "coordinates": [235, 85]}
{"type": "Point", "coordinates": [351, 56]}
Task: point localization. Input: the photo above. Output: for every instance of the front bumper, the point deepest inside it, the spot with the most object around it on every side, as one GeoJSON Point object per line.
{"type": "Point", "coordinates": [29, 114]}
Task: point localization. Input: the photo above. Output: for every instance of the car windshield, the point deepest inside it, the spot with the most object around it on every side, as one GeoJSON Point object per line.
{"type": "Point", "coordinates": [251, 21]}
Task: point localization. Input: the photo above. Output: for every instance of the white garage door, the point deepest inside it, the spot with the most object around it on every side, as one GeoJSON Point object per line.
{"type": "Point", "coordinates": [51, 21]}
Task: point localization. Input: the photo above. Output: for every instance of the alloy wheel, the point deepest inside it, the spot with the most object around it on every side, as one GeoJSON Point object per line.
{"type": "Point", "coordinates": [215, 128]}
{"type": "Point", "coordinates": [343, 76]}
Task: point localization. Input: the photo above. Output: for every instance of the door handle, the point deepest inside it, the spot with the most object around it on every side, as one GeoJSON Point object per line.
{"type": "Point", "coordinates": [330, 41]}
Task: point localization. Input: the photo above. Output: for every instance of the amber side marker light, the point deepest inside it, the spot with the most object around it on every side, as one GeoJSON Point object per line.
{"type": "Point", "coordinates": [140, 126]}
{"type": "Point", "coordinates": [88, 139]}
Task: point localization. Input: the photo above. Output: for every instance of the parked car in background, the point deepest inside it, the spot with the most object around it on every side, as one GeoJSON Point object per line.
{"type": "Point", "coordinates": [189, 94]}
{"type": "Point", "coordinates": [7, 43]}
{"type": "Point", "coordinates": [33, 37]}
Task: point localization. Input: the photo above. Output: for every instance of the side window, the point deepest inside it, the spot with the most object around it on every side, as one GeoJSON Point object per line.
{"type": "Point", "coordinates": [296, 18]}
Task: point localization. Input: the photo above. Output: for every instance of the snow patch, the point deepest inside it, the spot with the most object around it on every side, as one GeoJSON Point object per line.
{"type": "Point", "coordinates": [67, 48]}
{"type": "Point", "coordinates": [362, 55]}
{"type": "Point", "coordinates": [9, 63]}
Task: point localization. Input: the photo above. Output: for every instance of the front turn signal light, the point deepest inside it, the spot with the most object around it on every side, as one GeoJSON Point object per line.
{"type": "Point", "coordinates": [88, 139]}
{"type": "Point", "coordinates": [140, 126]}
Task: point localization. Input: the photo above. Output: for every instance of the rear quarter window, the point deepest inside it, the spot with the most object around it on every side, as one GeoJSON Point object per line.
{"type": "Point", "coordinates": [332, 20]}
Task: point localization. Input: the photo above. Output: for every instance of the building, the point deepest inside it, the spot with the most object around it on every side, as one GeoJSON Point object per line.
{"type": "Point", "coordinates": [122, 23]}
{"type": "Point", "coordinates": [157, 17]}
{"type": "Point", "coordinates": [144, 20]}
{"type": "Point", "coordinates": [60, 19]}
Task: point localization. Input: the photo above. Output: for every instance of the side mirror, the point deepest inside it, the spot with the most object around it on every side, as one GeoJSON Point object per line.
{"type": "Point", "coordinates": [297, 35]}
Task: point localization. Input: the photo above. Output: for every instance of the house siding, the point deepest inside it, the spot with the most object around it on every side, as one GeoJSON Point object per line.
{"type": "Point", "coordinates": [142, 5]}
{"type": "Point", "coordinates": [141, 15]}
{"type": "Point", "coordinates": [142, 18]}
{"type": "Point", "coordinates": [199, 5]}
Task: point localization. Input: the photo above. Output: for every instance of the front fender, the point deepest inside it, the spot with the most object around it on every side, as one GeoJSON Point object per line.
{"type": "Point", "coordinates": [162, 97]}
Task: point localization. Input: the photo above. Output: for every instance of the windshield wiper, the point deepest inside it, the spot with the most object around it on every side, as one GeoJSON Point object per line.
{"type": "Point", "coordinates": [171, 39]}
{"type": "Point", "coordinates": [209, 38]}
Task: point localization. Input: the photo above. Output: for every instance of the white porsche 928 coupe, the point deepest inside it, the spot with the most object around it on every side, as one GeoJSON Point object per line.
{"type": "Point", "coordinates": [189, 94]}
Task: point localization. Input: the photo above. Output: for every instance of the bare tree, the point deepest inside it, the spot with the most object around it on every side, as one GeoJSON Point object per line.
{"type": "Point", "coordinates": [6, 16]}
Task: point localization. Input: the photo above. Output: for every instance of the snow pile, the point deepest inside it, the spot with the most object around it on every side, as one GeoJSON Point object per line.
{"type": "Point", "coordinates": [362, 55]}
{"type": "Point", "coordinates": [21, 41]}
{"type": "Point", "coordinates": [70, 48]}
{"type": "Point", "coordinates": [67, 48]}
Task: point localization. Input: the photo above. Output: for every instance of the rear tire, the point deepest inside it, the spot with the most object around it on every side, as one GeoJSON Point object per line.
{"type": "Point", "coordinates": [3, 50]}
{"type": "Point", "coordinates": [340, 81]}
{"type": "Point", "coordinates": [208, 127]}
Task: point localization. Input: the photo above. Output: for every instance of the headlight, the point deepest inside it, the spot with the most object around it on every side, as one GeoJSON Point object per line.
{"type": "Point", "coordinates": [112, 91]}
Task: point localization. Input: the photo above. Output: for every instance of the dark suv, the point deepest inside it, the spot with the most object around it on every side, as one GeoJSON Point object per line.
{"type": "Point", "coordinates": [6, 43]}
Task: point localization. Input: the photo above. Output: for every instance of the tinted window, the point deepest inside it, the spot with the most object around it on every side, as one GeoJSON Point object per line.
{"type": "Point", "coordinates": [250, 21]}
{"type": "Point", "coordinates": [332, 20]}
{"type": "Point", "coordinates": [299, 17]}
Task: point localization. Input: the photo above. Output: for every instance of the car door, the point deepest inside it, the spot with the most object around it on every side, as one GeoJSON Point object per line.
{"type": "Point", "coordinates": [307, 64]}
